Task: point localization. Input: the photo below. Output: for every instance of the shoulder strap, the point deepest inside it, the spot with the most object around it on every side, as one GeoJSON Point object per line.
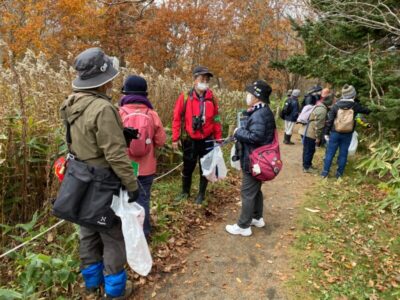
{"type": "Point", "coordinates": [185, 100]}
{"type": "Point", "coordinates": [123, 110]}
{"type": "Point", "coordinates": [68, 136]}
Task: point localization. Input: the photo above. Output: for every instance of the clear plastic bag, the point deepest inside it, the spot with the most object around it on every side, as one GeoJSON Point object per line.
{"type": "Point", "coordinates": [132, 218]}
{"type": "Point", "coordinates": [354, 144]}
{"type": "Point", "coordinates": [235, 164]}
{"type": "Point", "coordinates": [213, 165]}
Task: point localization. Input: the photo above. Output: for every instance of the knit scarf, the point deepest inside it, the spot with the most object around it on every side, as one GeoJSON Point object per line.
{"type": "Point", "coordinates": [256, 106]}
{"type": "Point", "coordinates": [133, 99]}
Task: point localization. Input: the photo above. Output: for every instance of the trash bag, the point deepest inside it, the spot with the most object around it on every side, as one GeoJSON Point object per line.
{"type": "Point", "coordinates": [132, 218]}
{"type": "Point", "coordinates": [213, 165]}
{"type": "Point", "coordinates": [235, 163]}
{"type": "Point", "coordinates": [354, 144]}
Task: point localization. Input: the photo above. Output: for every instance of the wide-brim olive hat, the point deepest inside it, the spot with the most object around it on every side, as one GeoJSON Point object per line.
{"type": "Point", "coordinates": [94, 69]}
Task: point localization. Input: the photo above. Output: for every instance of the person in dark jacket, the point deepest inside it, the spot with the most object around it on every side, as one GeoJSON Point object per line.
{"type": "Point", "coordinates": [337, 139]}
{"type": "Point", "coordinates": [291, 111]}
{"type": "Point", "coordinates": [257, 130]}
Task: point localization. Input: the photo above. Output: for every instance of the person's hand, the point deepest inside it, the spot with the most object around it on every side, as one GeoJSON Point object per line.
{"type": "Point", "coordinates": [176, 145]}
{"type": "Point", "coordinates": [318, 142]}
{"type": "Point", "coordinates": [133, 196]}
{"type": "Point", "coordinates": [326, 138]}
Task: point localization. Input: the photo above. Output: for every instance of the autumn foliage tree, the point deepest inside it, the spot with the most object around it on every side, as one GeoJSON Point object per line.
{"type": "Point", "coordinates": [236, 39]}
{"type": "Point", "coordinates": [52, 27]}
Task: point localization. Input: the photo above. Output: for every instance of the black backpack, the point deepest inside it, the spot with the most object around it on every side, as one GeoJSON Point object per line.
{"type": "Point", "coordinates": [286, 110]}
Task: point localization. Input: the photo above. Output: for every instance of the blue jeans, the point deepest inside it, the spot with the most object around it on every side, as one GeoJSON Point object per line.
{"type": "Point", "coordinates": [308, 152]}
{"type": "Point", "coordinates": [145, 183]}
{"type": "Point", "coordinates": [341, 141]}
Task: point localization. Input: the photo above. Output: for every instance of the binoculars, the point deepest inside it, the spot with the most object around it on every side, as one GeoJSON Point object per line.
{"type": "Point", "coordinates": [130, 134]}
{"type": "Point", "coordinates": [238, 152]}
{"type": "Point", "coordinates": [197, 123]}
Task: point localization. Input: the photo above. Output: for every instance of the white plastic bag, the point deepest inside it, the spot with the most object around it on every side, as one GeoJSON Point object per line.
{"type": "Point", "coordinates": [132, 218]}
{"type": "Point", "coordinates": [213, 165]}
{"type": "Point", "coordinates": [354, 144]}
{"type": "Point", "coordinates": [234, 164]}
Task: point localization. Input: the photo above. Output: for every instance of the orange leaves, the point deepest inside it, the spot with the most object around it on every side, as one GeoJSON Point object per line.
{"type": "Point", "coordinates": [53, 27]}
{"type": "Point", "coordinates": [236, 39]}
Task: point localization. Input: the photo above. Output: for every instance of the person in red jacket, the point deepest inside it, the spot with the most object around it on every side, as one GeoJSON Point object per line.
{"type": "Point", "coordinates": [195, 127]}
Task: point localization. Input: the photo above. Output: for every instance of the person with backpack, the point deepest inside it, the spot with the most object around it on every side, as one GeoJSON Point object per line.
{"type": "Point", "coordinates": [339, 129]}
{"type": "Point", "coordinates": [312, 131]}
{"type": "Point", "coordinates": [137, 112]}
{"type": "Point", "coordinates": [257, 129]}
{"type": "Point", "coordinates": [97, 161]}
{"type": "Point", "coordinates": [196, 126]}
{"type": "Point", "coordinates": [290, 112]}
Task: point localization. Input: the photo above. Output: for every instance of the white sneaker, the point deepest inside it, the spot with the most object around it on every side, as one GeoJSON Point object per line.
{"type": "Point", "coordinates": [236, 230]}
{"type": "Point", "coordinates": [258, 223]}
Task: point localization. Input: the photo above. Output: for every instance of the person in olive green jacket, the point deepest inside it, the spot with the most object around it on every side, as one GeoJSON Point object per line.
{"type": "Point", "coordinates": [313, 132]}
{"type": "Point", "coordinates": [97, 139]}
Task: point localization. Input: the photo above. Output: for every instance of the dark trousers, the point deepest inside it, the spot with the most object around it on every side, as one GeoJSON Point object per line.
{"type": "Point", "coordinates": [341, 141]}
{"type": "Point", "coordinates": [193, 150]}
{"type": "Point", "coordinates": [145, 183]}
{"type": "Point", "coordinates": [252, 200]}
{"type": "Point", "coordinates": [308, 152]}
{"type": "Point", "coordinates": [108, 247]}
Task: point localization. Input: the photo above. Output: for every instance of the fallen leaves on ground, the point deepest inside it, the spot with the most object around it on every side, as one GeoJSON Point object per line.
{"type": "Point", "coordinates": [186, 222]}
{"type": "Point", "coordinates": [347, 247]}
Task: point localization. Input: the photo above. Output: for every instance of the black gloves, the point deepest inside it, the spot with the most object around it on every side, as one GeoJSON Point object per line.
{"type": "Point", "coordinates": [130, 134]}
{"type": "Point", "coordinates": [133, 196]}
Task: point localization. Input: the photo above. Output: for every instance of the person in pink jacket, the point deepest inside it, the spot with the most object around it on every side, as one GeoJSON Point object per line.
{"type": "Point", "coordinates": [136, 110]}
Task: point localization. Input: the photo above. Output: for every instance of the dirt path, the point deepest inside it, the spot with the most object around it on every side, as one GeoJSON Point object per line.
{"type": "Point", "coordinates": [231, 267]}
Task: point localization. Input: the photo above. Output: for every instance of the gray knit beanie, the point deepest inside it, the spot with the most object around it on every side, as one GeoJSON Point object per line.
{"type": "Point", "coordinates": [348, 92]}
{"type": "Point", "coordinates": [295, 93]}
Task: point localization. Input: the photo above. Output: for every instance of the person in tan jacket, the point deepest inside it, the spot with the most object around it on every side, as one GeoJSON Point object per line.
{"type": "Point", "coordinates": [97, 139]}
{"type": "Point", "coordinates": [312, 132]}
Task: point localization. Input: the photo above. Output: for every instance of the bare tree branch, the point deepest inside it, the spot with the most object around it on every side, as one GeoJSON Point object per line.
{"type": "Point", "coordinates": [376, 16]}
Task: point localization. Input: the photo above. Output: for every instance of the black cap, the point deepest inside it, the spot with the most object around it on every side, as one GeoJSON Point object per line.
{"type": "Point", "coordinates": [135, 85]}
{"type": "Point", "coordinates": [201, 70]}
{"type": "Point", "coordinates": [260, 89]}
{"type": "Point", "coordinates": [94, 69]}
{"type": "Point", "coordinates": [315, 89]}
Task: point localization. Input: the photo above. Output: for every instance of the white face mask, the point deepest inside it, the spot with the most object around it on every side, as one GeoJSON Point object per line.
{"type": "Point", "coordinates": [202, 86]}
{"type": "Point", "coordinates": [249, 99]}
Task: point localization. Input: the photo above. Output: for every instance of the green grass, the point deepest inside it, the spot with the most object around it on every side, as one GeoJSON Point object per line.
{"type": "Point", "coordinates": [350, 249]}
{"type": "Point", "coordinates": [49, 266]}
